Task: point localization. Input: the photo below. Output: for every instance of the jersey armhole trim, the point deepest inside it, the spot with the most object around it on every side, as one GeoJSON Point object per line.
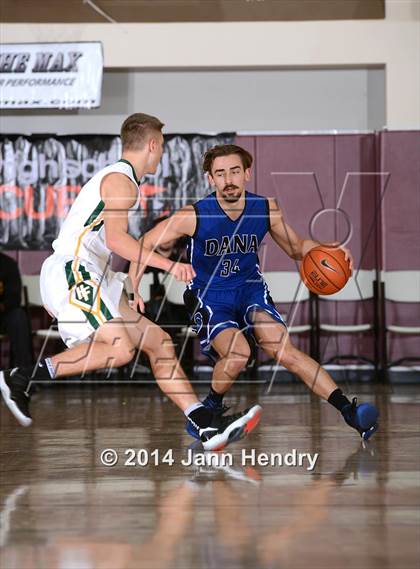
{"type": "Point", "coordinates": [197, 220]}
{"type": "Point", "coordinates": [132, 169]}
{"type": "Point", "coordinates": [127, 176]}
{"type": "Point", "coordinates": [267, 205]}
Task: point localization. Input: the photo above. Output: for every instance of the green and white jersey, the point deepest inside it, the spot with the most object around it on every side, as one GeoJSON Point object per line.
{"type": "Point", "coordinates": [82, 234]}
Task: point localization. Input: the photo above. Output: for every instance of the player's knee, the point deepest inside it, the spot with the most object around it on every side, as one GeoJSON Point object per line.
{"type": "Point", "coordinates": [238, 360]}
{"type": "Point", "coordinates": [165, 338]}
{"type": "Point", "coordinates": [288, 357]}
{"type": "Point", "coordinates": [123, 354]}
{"type": "Point", "coordinates": [162, 344]}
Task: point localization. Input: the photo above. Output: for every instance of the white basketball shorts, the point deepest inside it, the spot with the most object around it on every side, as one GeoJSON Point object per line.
{"type": "Point", "coordinates": [80, 296]}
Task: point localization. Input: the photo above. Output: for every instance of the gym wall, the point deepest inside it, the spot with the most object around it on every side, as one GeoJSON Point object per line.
{"type": "Point", "coordinates": [224, 100]}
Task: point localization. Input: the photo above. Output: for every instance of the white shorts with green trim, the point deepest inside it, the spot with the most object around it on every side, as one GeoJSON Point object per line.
{"type": "Point", "coordinates": [80, 296]}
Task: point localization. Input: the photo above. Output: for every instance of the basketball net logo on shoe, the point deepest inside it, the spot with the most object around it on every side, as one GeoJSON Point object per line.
{"type": "Point", "coordinates": [325, 263]}
{"type": "Point", "coordinates": [208, 432]}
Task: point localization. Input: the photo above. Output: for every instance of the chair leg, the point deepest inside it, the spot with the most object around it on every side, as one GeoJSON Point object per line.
{"type": "Point", "coordinates": [376, 329]}
{"type": "Point", "coordinates": [314, 349]}
{"type": "Point", "coordinates": [382, 329]}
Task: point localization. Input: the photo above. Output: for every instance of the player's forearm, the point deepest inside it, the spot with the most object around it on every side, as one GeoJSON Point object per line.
{"type": "Point", "coordinates": [289, 240]}
{"type": "Point", "coordinates": [297, 248]}
{"type": "Point", "coordinates": [136, 272]}
{"type": "Point", "coordinates": [127, 247]}
{"type": "Point", "coordinates": [151, 258]}
{"type": "Point", "coordinates": [133, 273]}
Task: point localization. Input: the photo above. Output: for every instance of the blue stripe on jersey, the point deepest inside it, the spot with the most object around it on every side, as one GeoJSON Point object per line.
{"type": "Point", "coordinates": [222, 251]}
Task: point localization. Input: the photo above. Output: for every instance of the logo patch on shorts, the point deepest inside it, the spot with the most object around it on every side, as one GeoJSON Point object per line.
{"type": "Point", "coordinates": [85, 295]}
{"type": "Point", "coordinates": [198, 322]}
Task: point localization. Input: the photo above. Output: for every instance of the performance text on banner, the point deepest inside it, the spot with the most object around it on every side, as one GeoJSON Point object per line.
{"type": "Point", "coordinates": [51, 75]}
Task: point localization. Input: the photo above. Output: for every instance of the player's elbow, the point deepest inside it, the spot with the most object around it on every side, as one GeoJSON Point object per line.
{"type": "Point", "coordinates": [146, 244]}
{"type": "Point", "coordinates": [113, 242]}
{"type": "Point", "coordinates": [110, 242]}
{"type": "Point", "coordinates": [296, 255]}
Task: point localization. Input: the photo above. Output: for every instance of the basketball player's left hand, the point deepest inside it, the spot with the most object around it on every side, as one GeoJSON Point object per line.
{"type": "Point", "coordinates": [347, 253]}
{"type": "Point", "coordinates": [137, 304]}
{"type": "Point", "coordinates": [182, 272]}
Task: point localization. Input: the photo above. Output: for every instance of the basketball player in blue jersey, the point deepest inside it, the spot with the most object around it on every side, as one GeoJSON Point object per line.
{"type": "Point", "coordinates": [88, 300]}
{"type": "Point", "coordinates": [229, 298]}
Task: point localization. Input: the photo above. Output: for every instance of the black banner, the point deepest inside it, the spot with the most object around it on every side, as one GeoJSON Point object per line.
{"type": "Point", "coordinates": [40, 178]}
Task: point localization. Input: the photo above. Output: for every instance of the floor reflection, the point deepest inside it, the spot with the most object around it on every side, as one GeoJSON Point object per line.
{"type": "Point", "coordinates": [60, 508]}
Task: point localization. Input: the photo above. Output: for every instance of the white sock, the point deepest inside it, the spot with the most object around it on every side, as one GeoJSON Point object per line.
{"type": "Point", "coordinates": [50, 367]}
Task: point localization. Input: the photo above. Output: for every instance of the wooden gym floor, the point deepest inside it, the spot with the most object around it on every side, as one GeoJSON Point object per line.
{"type": "Point", "coordinates": [60, 508]}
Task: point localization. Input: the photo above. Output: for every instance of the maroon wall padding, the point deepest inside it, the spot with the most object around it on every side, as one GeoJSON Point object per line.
{"type": "Point", "coordinates": [30, 262]}
{"type": "Point", "coordinates": [355, 194]}
{"type": "Point", "coordinates": [248, 142]}
{"type": "Point", "coordinates": [298, 172]}
{"type": "Point", "coordinates": [307, 174]}
{"type": "Point", "coordinates": [400, 156]}
{"type": "Point", "coordinates": [291, 169]}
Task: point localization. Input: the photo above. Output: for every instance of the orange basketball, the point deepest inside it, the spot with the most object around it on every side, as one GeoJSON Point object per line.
{"type": "Point", "coordinates": [324, 270]}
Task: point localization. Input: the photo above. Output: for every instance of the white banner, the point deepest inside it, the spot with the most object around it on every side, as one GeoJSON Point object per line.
{"type": "Point", "coordinates": [51, 75]}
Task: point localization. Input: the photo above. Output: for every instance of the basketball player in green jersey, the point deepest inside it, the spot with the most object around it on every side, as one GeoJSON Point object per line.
{"type": "Point", "coordinates": [94, 317]}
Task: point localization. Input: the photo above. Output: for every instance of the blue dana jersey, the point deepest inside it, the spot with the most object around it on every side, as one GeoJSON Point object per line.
{"type": "Point", "coordinates": [223, 252]}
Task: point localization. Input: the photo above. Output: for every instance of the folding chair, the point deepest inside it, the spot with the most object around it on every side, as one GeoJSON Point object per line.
{"type": "Point", "coordinates": [361, 288]}
{"type": "Point", "coordinates": [5, 338]}
{"type": "Point", "coordinates": [48, 329]}
{"type": "Point", "coordinates": [400, 287]}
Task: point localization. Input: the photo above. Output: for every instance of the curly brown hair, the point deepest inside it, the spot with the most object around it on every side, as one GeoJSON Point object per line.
{"type": "Point", "coordinates": [226, 150]}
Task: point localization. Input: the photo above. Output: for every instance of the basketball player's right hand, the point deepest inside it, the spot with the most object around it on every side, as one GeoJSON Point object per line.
{"type": "Point", "coordinates": [347, 253]}
{"type": "Point", "coordinates": [182, 272]}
